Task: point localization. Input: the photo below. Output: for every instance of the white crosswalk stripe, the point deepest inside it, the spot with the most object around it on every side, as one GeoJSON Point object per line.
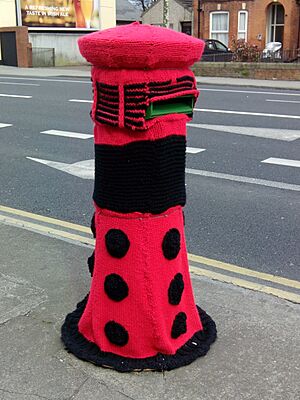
{"type": "Point", "coordinates": [282, 161]}
{"type": "Point", "coordinates": [4, 125]}
{"type": "Point", "coordinates": [76, 135]}
{"type": "Point", "coordinates": [15, 96]}
{"type": "Point", "coordinates": [256, 114]}
{"type": "Point", "coordinates": [80, 101]}
{"type": "Point", "coordinates": [194, 150]}
{"type": "Point", "coordinates": [287, 135]}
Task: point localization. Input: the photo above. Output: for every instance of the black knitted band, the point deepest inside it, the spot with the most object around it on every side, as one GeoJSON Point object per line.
{"type": "Point", "coordinates": [196, 347]}
{"type": "Point", "coordinates": [144, 176]}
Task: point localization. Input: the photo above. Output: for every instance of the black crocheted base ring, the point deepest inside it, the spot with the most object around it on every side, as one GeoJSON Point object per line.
{"type": "Point", "coordinates": [196, 347]}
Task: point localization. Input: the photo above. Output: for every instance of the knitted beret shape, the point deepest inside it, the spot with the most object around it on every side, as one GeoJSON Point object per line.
{"type": "Point", "coordinates": [137, 46]}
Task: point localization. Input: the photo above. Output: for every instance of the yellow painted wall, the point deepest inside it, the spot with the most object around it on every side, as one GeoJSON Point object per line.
{"type": "Point", "coordinates": [7, 13]}
{"type": "Point", "coordinates": [107, 14]}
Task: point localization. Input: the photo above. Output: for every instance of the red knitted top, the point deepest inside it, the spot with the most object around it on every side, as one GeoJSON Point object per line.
{"type": "Point", "coordinates": [137, 46]}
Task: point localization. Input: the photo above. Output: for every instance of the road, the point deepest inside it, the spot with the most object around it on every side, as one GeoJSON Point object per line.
{"type": "Point", "coordinates": [243, 200]}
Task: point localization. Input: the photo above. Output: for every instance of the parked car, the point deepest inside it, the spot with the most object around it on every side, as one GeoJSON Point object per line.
{"type": "Point", "coordinates": [216, 51]}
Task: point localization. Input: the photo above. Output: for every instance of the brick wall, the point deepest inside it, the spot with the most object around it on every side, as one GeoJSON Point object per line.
{"type": "Point", "coordinates": [257, 19]}
{"type": "Point", "coordinates": [248, 70]}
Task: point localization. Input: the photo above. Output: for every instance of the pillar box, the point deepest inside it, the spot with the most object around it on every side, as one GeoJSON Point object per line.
{"type": "Point", "coordinates": [140, 312]}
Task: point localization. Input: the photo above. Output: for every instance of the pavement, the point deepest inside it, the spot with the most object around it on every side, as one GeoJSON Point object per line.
{"type": "Point", "coordinates": [83, 71]}
{"type": "Point", "coordinates": [43, 276]}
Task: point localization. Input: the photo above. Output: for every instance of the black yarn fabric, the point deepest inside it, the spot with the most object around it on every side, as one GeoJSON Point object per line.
{"type": "Point", "coordinates": [195, 347]}
{"type": "Point", "coordinates": [93, 226]}
{"type": "Point", "coordinates": [179, 325]}
{"type": "Point", "coordinates": [91, 263]}
{"type": "Point", "coordinates": [171, 244]}
{"type": "Point", "coordinates": [176, 289]}
{"type": "Point", "coordinates": [117, 243]}
{"type": "Point", "coordinates": [144, 176]}
{"type": "Point", "coordinates": [115, 287]}
{"type": "Point", "coordinates": [116, 333]}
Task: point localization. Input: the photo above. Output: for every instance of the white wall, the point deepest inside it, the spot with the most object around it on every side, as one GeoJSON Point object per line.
{"type": "Point", "coordinates": [7, 13]}
{"type": "Point", "coordinates": [65, 45]}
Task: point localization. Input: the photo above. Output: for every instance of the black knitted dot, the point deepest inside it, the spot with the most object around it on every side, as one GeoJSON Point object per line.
{"type": "Point", "coordinates": [171, 244]}
{"type": "Point", "coordinates": [91, 262]}
{"type": "Point", "coordinates": [117, 243]}
{"type": "Point", "coordinates": [116, 333]}
{"type": "Point", "coordinates": [93, 226]}
{"type": "Point", "coordinates": [179, 325]}
{"type": "Point", "coordinates": [115, 287]}
{"type": "Point", "coordinates": [175, 289]}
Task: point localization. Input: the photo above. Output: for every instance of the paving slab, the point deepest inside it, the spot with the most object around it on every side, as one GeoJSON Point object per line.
{"type": "Point", "coordinates": [256, 354]}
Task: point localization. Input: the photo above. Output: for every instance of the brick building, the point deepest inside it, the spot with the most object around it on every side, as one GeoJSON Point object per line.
{"type": "Point", "coordinates": [256, 21]}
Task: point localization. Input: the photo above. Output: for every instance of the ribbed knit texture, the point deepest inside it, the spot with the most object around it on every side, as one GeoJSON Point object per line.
{"type": "Point", "coordinates": [125, 104]}
{"type": "Point", "coordinates": [138, 46]}
{"type": "Point", "coordinates": [146, 313]}
{"type": "Point", "coordinates": [145, 176]}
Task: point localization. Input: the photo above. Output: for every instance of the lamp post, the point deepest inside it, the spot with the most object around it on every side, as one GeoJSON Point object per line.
{"type": "Point", "coordinates": [166, 13]}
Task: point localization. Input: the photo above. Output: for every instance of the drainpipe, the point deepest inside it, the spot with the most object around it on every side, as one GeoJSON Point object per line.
{"type": "Point", "coordinates": [199, 9]}
{"type": "Point", "coordinates": [298, 44]}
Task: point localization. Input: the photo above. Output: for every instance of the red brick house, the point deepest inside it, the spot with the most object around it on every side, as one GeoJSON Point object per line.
{"type": "Point", "coordinates": [256, 21]}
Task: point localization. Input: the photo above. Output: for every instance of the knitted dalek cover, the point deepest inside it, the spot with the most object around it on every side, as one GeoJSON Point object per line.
{"type": "Point", "coordinates": [140, 312]}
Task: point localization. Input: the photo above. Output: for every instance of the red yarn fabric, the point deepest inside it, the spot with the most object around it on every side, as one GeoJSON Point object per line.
{"type": "Point", "coordinates": [137, 46]}
{"type": "Point", "coordinates": [141, 301]}
{"type": "Point", "coordinates": [145, 313]}
{"type": "Point", "coordinates": [153, 129]}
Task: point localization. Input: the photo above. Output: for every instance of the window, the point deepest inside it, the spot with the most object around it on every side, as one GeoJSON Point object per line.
{"type": "Point", "coordinates": [220, 46]}
{"type": "Point", "coordinates": [186, 27]}
{"type": "Point", "coordinates": [219, 26]}
{"type": "Point", "coordinates": [242, 25]}
{"type": "Point", "coordinates": [276, 23]}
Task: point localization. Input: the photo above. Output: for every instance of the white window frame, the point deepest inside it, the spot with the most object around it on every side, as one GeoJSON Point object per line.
{"type": "Point", "coordinates": [245, 31]}
{"type": "Point", "coordinates": [269, 30]}
{"type": "Point", "coordinates": [210, 24]}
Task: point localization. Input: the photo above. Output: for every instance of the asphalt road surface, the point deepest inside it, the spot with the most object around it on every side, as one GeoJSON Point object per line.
{"type": "Point", "coordinates": [243, 175]}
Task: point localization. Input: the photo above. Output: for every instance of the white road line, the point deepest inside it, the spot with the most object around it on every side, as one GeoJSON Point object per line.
{"type": "Point", "coordinates": [19, 84]}
{"type": "Point", "coordinates": [86, 170]}
{"type": "Point", "coordinates": [194, 150]}
{"type": "Point", "coordinates": [283, 101]}
{"type": "Point", "coordinates": [4, 125]}
{"type": "Point", "coordinates": [47, 80]}
{"type": "Point", "coordinates": [15, 95]}
{"type": "Point", "coordinates": [82, 169]}
{"type": "Point", "coordinates": [76, 135]}
{"type": "Point", "coordinates": [244, 179]}
{"type": "Point", "coordinates": [247, 113]}
{"type": "Point", "coordinates": [287, 135]}
{"type": "Point", "coordinates": [282, 161]}
{"type": "Point", "coordinates": [81, 101]}
{"type": "Point", "coordinates": [247, 91]}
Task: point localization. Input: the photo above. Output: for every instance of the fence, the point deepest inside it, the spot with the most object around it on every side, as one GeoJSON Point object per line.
{"type": "Point", "coordinates": [43, 57]}
{"type": "Point", "coordinates": [285, 56]}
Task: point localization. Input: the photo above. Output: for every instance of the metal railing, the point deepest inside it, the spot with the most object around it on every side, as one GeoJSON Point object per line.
{"type": "Point", "coordinates": [282, 56]}
{"type": "Point", "coordinates": [285, 56]}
